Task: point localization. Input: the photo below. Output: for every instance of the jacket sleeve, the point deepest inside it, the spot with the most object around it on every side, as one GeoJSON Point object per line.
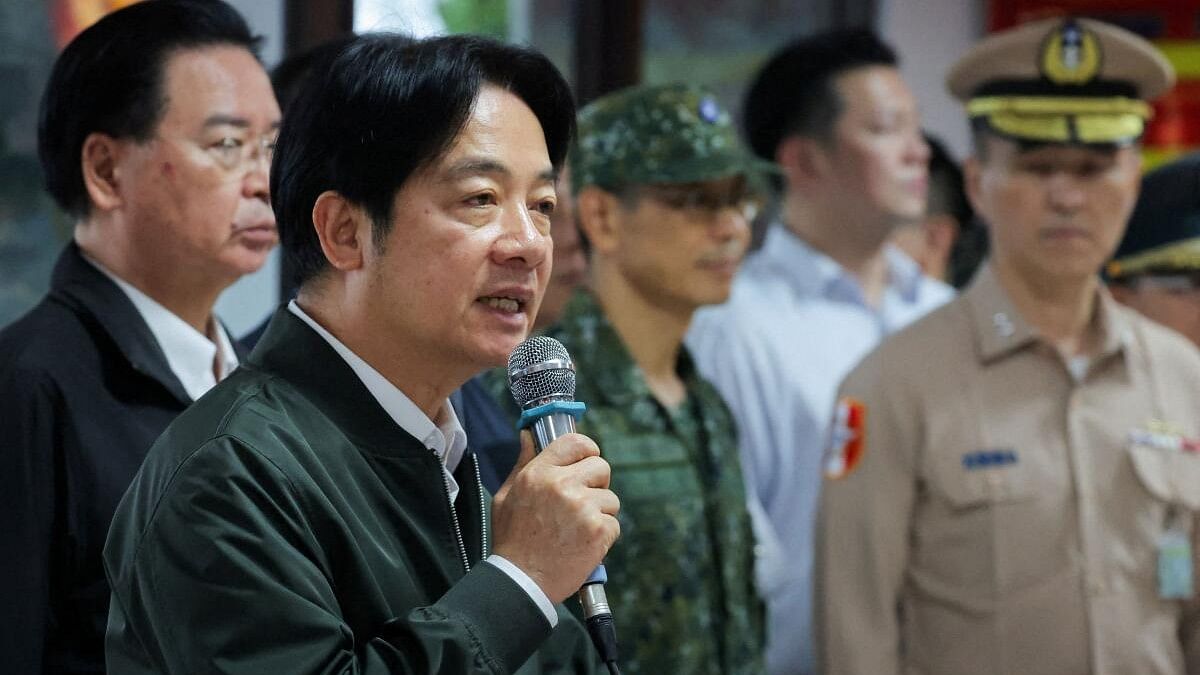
{"type": "Point", "coordinates": [863, 534]}
{"type": "Point", "coordinates": [229, 576]}
{"type": "Point", "coordinates": [27, 515]}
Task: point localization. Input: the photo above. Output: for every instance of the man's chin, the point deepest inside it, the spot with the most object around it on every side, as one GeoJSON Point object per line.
{"type": "Point", "coordinates": [247, 260]}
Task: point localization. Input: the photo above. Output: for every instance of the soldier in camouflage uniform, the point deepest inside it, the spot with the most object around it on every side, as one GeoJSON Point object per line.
{"type": "Point", "coordinates": [663, 198]}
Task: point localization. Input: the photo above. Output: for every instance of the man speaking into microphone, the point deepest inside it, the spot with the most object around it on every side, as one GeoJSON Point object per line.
{"type": "Point", "coordinates": [319, 511]}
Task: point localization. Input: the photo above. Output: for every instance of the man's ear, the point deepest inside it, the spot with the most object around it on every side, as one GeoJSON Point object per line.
{"type": "Point", "coordinates": [99, 159]}
{"type": "Point", "coordinates": [802, 159]}
{"type": "Point", "coordinates": [598, 214]}
{"type": "Point", "coordinates": [344, 230]}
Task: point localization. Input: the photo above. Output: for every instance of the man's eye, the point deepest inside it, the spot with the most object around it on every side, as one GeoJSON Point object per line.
{"type": "Point", "coordinates": [546, 207]}
{"type": "Point", "coordinates": [227, 147]}
{"type": "Point", "coordinates": [481, 200]}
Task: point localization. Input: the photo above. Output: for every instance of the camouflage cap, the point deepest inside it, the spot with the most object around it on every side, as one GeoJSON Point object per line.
{"type": "Point", "coordinates": [673, 133]}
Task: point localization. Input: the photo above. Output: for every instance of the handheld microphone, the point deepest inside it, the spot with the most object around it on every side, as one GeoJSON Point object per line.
{"type": "Point", "coordinates": [541, 377]}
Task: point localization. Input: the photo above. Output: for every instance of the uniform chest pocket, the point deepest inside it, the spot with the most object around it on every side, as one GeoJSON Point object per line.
{"type": "Point", "coordinates": [1168, 473]}
{"type": "Point", "coordinates": [984, 477]}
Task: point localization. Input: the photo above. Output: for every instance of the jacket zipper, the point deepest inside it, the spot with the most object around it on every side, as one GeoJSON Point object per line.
{"type": "Point", "coordinates": [483, 525]}
{"type": "Point", "coordinates": [458, 536]}
{"type": "Point", "coordinates": [462, 547]}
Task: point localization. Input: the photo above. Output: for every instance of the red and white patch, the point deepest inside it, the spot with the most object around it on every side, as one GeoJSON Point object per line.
{"type": "Point", "coordinates": [848, 438]}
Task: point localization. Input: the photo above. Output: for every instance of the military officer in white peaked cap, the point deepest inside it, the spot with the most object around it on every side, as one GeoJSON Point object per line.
{"type": "Point", "coordinates": [1012, 481]}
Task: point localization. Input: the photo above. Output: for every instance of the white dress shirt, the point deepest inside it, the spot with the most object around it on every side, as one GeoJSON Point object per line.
{"type": "Point", "coordinates": [795, 325]}
{"type": "Point", "coordinates": [191, 355]}
{"type": "Point", "coordinates": [446, 439]}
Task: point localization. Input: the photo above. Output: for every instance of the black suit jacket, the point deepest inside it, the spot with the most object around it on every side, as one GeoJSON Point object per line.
{"type": "Point", "coordinates": [85, 390]}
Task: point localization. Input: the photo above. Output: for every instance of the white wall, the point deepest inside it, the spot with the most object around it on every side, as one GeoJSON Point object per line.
{"type": "Point", "coordinates": [245, 304]}
{"type": "Point", "coordinates": [930, 35]}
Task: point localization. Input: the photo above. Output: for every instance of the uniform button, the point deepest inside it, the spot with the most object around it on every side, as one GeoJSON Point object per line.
{"type": "Point", "coordinates": [1003, 325]}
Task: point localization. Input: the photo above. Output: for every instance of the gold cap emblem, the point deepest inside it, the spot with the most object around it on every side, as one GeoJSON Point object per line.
{"type": "Point", "coordinates": [1071, 55]}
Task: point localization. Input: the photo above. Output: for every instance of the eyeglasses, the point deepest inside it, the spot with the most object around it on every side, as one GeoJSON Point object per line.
{"type": "Point", "coordinates": [703, 201]}
{"type": "Point", "coordinates": [231, 152]}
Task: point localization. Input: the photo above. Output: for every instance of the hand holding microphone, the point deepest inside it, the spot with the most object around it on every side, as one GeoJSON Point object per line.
{"type": "Point", "coordinates": [555, 517]}
{"type": "Point", "coordinates": [561, 496]}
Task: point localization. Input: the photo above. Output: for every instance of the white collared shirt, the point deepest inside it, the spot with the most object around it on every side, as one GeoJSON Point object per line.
{"type": "Point", "coordinates": [796, 323]}
{"type": "Point", "coordinates": [446, 439]}
{"type": "Point", "coordinates": [190, 354]}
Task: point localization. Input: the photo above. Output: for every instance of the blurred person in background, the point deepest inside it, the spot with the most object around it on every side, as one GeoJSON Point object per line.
{"type": "Point", "coordinates": [833, 111]}
{"type": "Point", "coordinates": [662, 197]}
{"type": "Point", "coordinates": [286, 80]}
{"type": "Point", "coordinates": [156, 132]}
{"type": "Point", "coordinates": [1156, 269]}
{"type": "Point", "coordinates": [1012, 481]}
{"type": "Point", "coordinates": [943, 242]}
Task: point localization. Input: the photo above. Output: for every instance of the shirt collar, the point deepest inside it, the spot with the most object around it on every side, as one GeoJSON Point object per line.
{"type": "Point", "coordinates": [446, 439]}
{"type": "Point", "coordinates": [190, 353]}
{"type": "Point", "coordinates": [1000, 329]}
{"type": "Point", "coordinates": [816, 273]}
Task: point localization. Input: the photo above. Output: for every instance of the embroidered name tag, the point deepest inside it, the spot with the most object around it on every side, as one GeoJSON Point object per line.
{"type": "Point", "coordinates": [988, 459]}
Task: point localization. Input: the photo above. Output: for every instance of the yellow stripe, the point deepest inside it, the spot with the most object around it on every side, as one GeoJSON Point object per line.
{"type": "Point", "coordinates": [1108, 128]}
{"type": "Point", "coordinates": [1058, 105]}
{"type": "Point", "coordinates": [1057, 129]}
{"type": "Point", "coordinates": [1180, 255]}
{"type": "Point", "coordinates": [1048, 128]}
{"type": "Point", "coordinates": [1154, 156]}
{"type": "Point", "coordinates": [1184, 55]}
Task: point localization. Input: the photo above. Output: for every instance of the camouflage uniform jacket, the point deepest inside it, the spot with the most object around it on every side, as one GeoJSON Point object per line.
{"type": "Point", "coordinates": [681, 575]}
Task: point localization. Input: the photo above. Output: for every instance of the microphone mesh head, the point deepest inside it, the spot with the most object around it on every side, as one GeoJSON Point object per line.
{"type": "Point", "coordinates": [531, 388]}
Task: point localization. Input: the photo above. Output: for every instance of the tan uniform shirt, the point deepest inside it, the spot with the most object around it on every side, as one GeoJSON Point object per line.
{"type": "Point", "coordinates": [1001, 520]}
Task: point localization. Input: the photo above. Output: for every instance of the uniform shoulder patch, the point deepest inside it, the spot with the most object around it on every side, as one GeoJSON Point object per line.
{"type": "Point", "coordinates": [847, 438]}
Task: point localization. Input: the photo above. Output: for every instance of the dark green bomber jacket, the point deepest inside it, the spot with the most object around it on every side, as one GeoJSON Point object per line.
{"type": "Point", "coordinates": [285, 524]}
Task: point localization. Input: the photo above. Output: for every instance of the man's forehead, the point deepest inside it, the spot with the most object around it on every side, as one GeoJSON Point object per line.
{"type": "Point", "coordinates": [217, 83]}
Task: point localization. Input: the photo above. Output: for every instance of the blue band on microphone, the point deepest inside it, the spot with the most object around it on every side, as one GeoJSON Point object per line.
{"type": "Point", "coordinates": [573, 408]}
{"type": "Point", "coordinates": [598, 576]}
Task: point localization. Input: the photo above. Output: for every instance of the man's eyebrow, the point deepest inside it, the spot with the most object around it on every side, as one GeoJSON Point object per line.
{"type": "Point", "coordinates": [222, 120]}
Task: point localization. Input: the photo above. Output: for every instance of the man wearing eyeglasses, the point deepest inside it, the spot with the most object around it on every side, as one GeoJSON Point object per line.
{"type": "Point", "coordinates": [155, 135]}
{"type": "Point", "coordinates": [1156, 269]}
{"type": "Point", "coordinates": [826, 287]}
{"type": "Point", "coordinates": [663, 202]}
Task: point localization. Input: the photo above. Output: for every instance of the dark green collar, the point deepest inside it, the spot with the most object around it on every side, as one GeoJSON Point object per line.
{"type": "Point", "coordinates": [294, 352]}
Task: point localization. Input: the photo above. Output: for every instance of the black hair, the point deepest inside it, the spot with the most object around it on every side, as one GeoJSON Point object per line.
{"type": "Point", "coordinates": [110, 80]}
{"type": "Point", "coordinates": [290, 74]}
{"type": "Point", "coordinates": [947, 194]}
{"type": "Point", "coordinates": [386, 108]}
{"type": "Point", "coordinates": [794, 92]}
